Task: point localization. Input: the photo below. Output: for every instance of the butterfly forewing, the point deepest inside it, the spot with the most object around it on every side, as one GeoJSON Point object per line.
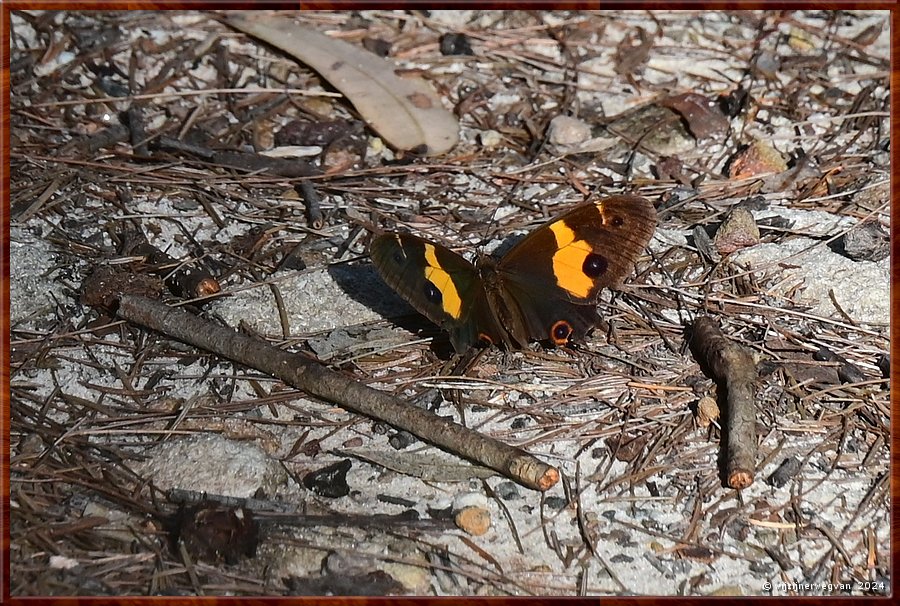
{"type": "Point", "coordinates": [437, 282]}
{"type": "Point", "coordinates": [587, 249]}
{"type": "Point", "coordinates": [556, 273]}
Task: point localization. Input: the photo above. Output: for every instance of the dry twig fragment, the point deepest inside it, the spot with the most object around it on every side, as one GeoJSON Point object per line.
{"type": "Point", "coordinates": [309, 375]}
{"type": "Point", "coordinates": [404, 111]}
{"type": "Point", "coordinates": [313, 210]}
{"type": "Point", "coordinates": [734, 370]}
{"type": "Point", "coordinates": [187, 280]}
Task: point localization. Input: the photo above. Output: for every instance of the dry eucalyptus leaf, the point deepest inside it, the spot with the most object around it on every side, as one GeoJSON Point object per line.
{"type": "Point", "coordinates": [655, 128]}
{"type": "Point", "coordinates": [633, 51]}
{"type": "Point", "coordinates": [405, 112]}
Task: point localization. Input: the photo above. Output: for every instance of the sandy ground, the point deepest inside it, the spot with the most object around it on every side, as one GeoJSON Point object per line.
{"type": "Point", "coordinates": [105, 418]}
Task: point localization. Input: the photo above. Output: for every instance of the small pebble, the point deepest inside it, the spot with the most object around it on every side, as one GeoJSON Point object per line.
{"type": "Point", "coordinates": [473, 520]}
{"type": "Point", "coordinates": [401, 440]}
{"type": "Point", "coordinates": [555, 502]}
{"type": "Point", "coordinates": [519, 423]}
{"type": "Point", "coordinates": [31, 444]}
{"type": "Point", "coordinates": [330, 481]}
{"type": "Point", "coordinates": [507, 491]}
{"type": "Point", "coordinates": [566, 131]}
{"type": "Point", "coordinates": [455, 44]}
{"type": "Point", "coordinates": [767, 64]}
{"type": "Point", "coordinates": [346, 563]}
{"type": "Point", "coordinates": [738, 230]}
{"type": "Point", "coordinates": [756, 159]}
{"type": "Point", "coordinates": [785, 472]}
{"type": "Point", "coordinates": [490, 138]}
{"type": "Point", "coordinates": [380, 47]}
{"type": "Point", "coordinates": [868, 242]}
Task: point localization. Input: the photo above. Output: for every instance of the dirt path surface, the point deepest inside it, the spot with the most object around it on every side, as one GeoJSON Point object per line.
{"type": "Point", "coordinates": [170, 155]}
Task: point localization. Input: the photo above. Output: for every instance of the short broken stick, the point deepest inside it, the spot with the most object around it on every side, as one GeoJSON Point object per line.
{"type": "Point", "coordinates": [733, 369]}
{"type": "Point", "coordinates": [313, 378]}
{"type": "Point", "coordinates": [313, 210]}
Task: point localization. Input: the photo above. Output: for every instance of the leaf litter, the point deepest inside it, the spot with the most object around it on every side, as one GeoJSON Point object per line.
{"type": "Point", "coordinates": [641, 507]}
{"type": "Point", "coordinates": [404, 111]}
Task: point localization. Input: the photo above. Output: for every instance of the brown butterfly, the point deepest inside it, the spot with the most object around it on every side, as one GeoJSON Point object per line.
{"type": "Point", "coordinates": [544, 288]}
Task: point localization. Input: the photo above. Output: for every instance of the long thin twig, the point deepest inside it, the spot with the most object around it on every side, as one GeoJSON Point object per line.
{"type": "Point", "coordinates": [309, 375]}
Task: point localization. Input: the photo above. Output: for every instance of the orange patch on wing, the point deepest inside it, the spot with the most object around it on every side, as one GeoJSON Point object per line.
{"type": "Point", "coordinates": [568, 261]}
{"type": "Point", "coordinates": [434, 273]}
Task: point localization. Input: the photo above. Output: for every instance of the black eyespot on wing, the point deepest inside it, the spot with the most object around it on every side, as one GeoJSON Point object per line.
{"type": "Point", "coordinates": [594, 265]}
{"type": "Point", "coordinates": [560, 332]}
{"type": "Point", "coordinates": [618, 221]}
{"type": "Point", "coordinates": [399, 256]}
{"type": "Point", "coordinates": [432, 293]}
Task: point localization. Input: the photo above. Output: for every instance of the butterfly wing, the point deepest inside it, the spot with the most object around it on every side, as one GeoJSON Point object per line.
{"type": "Point", "coordinates": [556, 273]}
{"type": "Point", "coordinates": [546, 318]}
{"type": "Point", "coordinates": [438, 283]}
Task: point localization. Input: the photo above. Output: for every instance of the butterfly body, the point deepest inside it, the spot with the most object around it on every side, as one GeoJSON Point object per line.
{"type": "Point", "coordinates": [544, 288]}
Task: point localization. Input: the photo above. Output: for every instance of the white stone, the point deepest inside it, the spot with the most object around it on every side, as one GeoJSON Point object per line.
{"type": "Point", "coordinates": [861, 288]}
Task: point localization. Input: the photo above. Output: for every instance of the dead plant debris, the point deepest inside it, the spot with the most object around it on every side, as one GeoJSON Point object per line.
{"type": "Point", "coordinates": [159, 149]}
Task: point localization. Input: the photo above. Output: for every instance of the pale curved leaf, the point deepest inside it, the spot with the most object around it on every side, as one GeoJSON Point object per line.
{"type": "Point", "coordinates": [405, 112]}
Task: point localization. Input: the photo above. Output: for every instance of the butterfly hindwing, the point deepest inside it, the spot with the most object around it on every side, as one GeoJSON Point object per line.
{"type": "Point", "coordinates": [554, 319]}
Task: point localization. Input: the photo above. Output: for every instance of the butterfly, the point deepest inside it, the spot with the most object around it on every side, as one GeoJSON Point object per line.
{"type": "Point", "coordinates": [545, 288]}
